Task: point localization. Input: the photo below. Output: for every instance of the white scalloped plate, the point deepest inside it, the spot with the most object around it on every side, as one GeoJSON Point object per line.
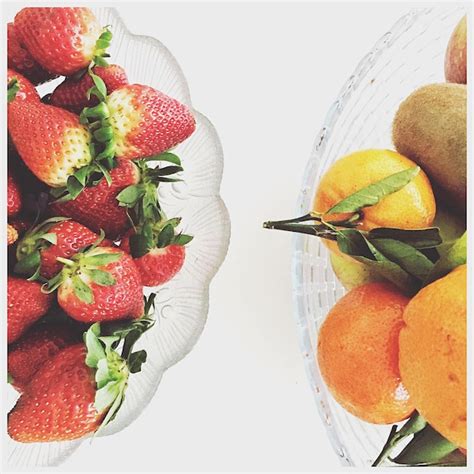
{"type": "Point", "coordinates": [182, 304]}
{"type": "Point", "coordinates": [410, 55]}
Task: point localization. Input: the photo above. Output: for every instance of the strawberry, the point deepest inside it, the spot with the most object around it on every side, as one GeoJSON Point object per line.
{"type": "Point", "coordinates": [38, 250]}
{"type": "Point", "coordinates": [99, 284]}
{"type": "Point", "coordinates": [61, 40]}
{"type": "Point", "coordinates": [79, 389]}
{"type": "Point", "coordinates": [97, 206]}
{"type": "Point", "coordinates": [21, 225]}
{"type": "Point", "coordinates": [51, 141]}
{"type": "Point", "coordinates": [20, 89]}
{"type": "Point", "coordinates": [33, 349]}
{"type": "Point", "coordinates": [21, 60]}
{"type": "Point", "coordinates": [157, 252]}
{"type": "Point", "coordinates": [12, 234]}
{"type": "Point", "coordinates": [58, 404]}
{"type": "Point", "coordinates": [72, 93]}
{"type": "Point", "coordinates": [14, 201]}
{"type": "Point", "coordinates": [26, 304]}
{"type": "Point", "coordinates": [147, 122]}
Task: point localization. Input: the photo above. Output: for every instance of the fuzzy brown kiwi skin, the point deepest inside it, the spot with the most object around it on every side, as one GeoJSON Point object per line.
{"type": "Point", "coordinates": [430, 128]}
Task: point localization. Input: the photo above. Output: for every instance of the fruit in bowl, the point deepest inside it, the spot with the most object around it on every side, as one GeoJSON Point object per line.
{"type": "Point", "coordinates": [455, 65]}
{"type": "Point", "coordinates": [96, 149]}
{"type": "Point", "coordinates": [396, 238]}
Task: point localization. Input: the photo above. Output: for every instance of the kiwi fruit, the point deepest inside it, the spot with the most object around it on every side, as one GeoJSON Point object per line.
{"type": "Point", "coordinates": [430, 128]}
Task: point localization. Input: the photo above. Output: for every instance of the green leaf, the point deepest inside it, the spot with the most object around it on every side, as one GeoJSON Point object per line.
{"type": "Point", "coordinates": [182, 239]}
{"type": "Point", "coordinates": [167, 156]}
{"type": "Point", "coordinates": [74, 187]}
{"type": "Point", "coordinates": [136, 360]}
{"type": "Point", "coordinates": [139, 245]}
{"type": "Point", "coordinates": [28, 264]}
{"type": "Point", "coordinates": [453, 459]}
{"type": "Point", "coordinates": [414, 424]}
{"type": "Point", "coordinates": [101, 259]}
{"type": "Point", "coordinates": [100, 61]}
{"type": "Point", "coordinates": [104, 134]}
{"type": "Point", "coordinates": [353, 243]}
{"type": "Point", "coordinates": [372, 194]}
{"type": "Point", "coordinates": [166, 171]}
{"type": "Point", "coordinates": [102, 43]}
{"type": "Point", "coordinates": [102, 374]}
{"type": "Point", "coordinates": [164, 179]}
{"type": "Point", "coordinates": [82, 291]}
{"type": "Point", "coordinates": [50, 237]}
{"type": "Point", "coordinates": [418, 238]}
{"type": "Point", "coordinates": [105, 172]}
{"type": "Point", "coordinates": [13, 88]}
{"type": "Point", "coordinates": [166, 236]}
{"type": "Point", "coordinates": [106, 35]}
{"type": "Point", "coordinates": [95, 350]}
{"type": "Point", "coordinates": [102, 278]}
{"type": "Point", "coordinates": [426, 447]}
{"type": "Point", "coordinates": [112, 411]}
{"type": "Point", "coordinates": [407, 257]}
{"type": "Point", "coordinates": [82, 175]}
{"type": "Point", "coordinates": [57, 192]}
{"type": "Point", "coordinates": [131, 194]}
{"type": "Point", "coordinates": [455, 256]}
{"type": "Point", "coordinates": [106, 395]}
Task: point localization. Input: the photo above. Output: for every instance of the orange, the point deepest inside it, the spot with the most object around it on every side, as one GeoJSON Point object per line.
{"type": "Point", "coordinates": [411, 207]}
{"type": "Point", "coordinates": [433, 354]}
{"type": "Point", "coordinates": [358, 353]}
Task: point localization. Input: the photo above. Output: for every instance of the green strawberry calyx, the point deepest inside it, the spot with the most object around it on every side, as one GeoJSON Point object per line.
{"type": "Point", "coordinates": [28, 251]}
{"type": "Point", "coordinates": [152, 229]}
{"type": "Point", "coordinates": [101, 47]}
{"type": "Point", "coordinates": [156, 234]}
{"type": "Point", "coordinates": [83, 269]}
{"type": "Point", "coordinates": [112, 369]}
{"type": "Point", "coordinates": [102, 147]}
{"type": "Point", "coordinates": [141, 199]}
{"type": "Point", "coordinates": [13, 88]}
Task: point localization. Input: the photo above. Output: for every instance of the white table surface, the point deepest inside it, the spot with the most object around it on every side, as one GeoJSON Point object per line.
{"type": "Point", "coordinates": [265, 75]}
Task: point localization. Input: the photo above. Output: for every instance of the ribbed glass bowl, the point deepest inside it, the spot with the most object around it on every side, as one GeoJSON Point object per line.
{"type": "Point", "coordinates": [181, 304]}
{"type": "Point", "coordinates": [410, 55]}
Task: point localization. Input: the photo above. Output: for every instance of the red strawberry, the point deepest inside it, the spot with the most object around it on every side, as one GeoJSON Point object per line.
{"type": "Point", "coordinates": [12, 234]}
{"type": "Point", "coordinates": [51, 141]}
{"type": "Point", "coordinates": [72, 93]}
{"type": "Point", "coordinates": [14, 196]}
{"type": "Point", "coordinates": [53, 238]}
{"type": "Point", "coordinates": [62, 40]}
{"type": "Point", "coordinates": [79, 389]}
{"type": "Point", "coordinates": [159, 264]}
{"type": "Point", "coordinates": [26, 304]}
{"type": "Point", "coordinates": [97, 206]}
{"type": "Point", "coordinates": [147, 122]}
{"type": "Point", "coordinates": [59, 401]}
{"type": "Point", "coordinates": [38, 345]}
{"type": "Point", "coordinates": [101, 284]}
{"type": "Point", "coordinates": [24, 92]}
{"type": "Point", "coordinates": [21, 60]}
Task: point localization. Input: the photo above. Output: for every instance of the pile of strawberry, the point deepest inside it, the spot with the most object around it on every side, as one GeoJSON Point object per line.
{"type": "Point", "coordinates": [86, 232]}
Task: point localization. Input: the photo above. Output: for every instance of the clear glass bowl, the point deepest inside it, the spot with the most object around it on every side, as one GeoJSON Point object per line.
{"type": "Point", "coordinates": [410, 55]}
{"type": "Point", "coordinates": [181, 304]}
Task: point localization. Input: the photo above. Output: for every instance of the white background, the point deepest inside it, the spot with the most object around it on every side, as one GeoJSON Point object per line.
{"type": "Point", "coordinates": [265, 74]}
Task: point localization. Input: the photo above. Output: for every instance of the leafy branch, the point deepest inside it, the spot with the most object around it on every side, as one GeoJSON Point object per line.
{"type": "Point", "coordinates": [426, 448]}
